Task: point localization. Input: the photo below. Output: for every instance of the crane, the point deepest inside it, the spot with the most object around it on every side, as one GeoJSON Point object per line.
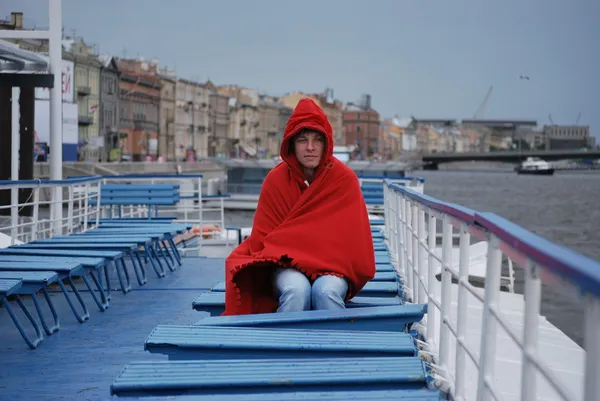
{"type": "Point", "coordinates": [481, 111]}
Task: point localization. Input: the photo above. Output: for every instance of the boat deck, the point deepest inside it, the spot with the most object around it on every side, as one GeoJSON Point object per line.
{"type": "Point", "coordinates": [80, 361]}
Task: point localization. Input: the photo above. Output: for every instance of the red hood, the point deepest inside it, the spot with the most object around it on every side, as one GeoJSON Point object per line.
{"type": "Point", "coordinates": [306, 115]}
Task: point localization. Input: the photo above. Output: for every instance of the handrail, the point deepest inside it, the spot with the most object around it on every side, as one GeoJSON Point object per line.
{"type": "Point", "coordinates": [411, 230]}
{"type": "Point", "coordinates": [30, 183]}
{"type": "Point", "coordinates": [573, 267]}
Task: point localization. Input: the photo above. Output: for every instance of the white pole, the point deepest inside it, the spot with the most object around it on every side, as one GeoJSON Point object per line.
{"type": "Point", "coordinates": [14, 161]}
{"type": "Point", "coordinates": [55, 55]}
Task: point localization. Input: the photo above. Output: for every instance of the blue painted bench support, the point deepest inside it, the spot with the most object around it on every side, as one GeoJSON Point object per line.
{"type": "Point", "coordinates": [171, 378]}
{"type": "Point", "coordinates": [214, 302]}
{"type": "Point", "coordinates": [85, 257]}
{"type": "Point", "coordinates": [32, 283]}
{"type": "Point", "coordinates": [210, 343]}
{"type": "Point", "coordinates": [9, 288]}
{"type": "Point", "coordinates": [377, 318]}
{"type": "Point", "coordinates": [66, 272]}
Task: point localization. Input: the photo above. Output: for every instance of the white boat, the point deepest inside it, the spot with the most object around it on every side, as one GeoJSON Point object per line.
{"type": "Point", "coordinates": [535, 166]}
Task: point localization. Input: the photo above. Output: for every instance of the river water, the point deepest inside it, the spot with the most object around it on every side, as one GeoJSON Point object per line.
{"type": "Point", "coordinates": [564, 208]}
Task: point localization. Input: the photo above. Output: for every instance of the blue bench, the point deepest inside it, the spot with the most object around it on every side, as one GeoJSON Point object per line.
{"type": "Point", "coordinates": [10, 288]}
{"type": "Point", "coordinates": [214, 302]}
{"type": "Point", "coordinates": [210, 343]}
{"type": "Point", "coordinates": [34, 281]}
{"type": "Point", "coordinates": [151, 195]}
{"type": "Point", "coordinates": [378, 318]}
{"type": "Point", "coordinates": [158, 248]}
{"type": "Point", "coordinates": [224, 377]}
{"type": "Point", "coordinates": [141, 241]}
{"type": "Point", "coordinates": [83, 256]}
{"type": "Point", "coordinates": [66, 272]}
{"type": "Point", "coordinates": [126, 248]}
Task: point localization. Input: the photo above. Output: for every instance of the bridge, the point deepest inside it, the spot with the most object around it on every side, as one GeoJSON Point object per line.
{"type": "Point", "coordinates": [431, 161]}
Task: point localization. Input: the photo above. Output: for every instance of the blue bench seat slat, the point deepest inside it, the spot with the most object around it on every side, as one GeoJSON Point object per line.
{"type": "Point", "coordinates": [135, 201]}
{"type": "Point", "coordinates": [42, 277]}
{"type": "Point", "coordinates": [139, 194]}
{"type": "Point", "coordinates": [377, 318]}
{"type": "Point", "coordinates": [134, 187]}
{"type": "Point", "coordinates": [93, 263]}
{"type": "Point", "coordinates": [9, 286]}
{"type": "Point", "coordinates": [91, 246]}
{"type": "Point", "coordinates": [209, 343]}
{"type": "Point", "coordinates": [138, 219]}
{"type": "Point", "coordinates": [112, 255]}
{"type": "Point", "coordinates": [236, 376]}
{"type": "Point", "coordinates": [385, 276]}
{"type": "Point", "coordinates": [327, 395]}
{"type": "Point", "coordinates": [214, 302]}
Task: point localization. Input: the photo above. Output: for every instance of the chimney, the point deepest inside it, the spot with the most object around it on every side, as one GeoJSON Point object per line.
{"type": "Point", "coordinates": [16, 19]}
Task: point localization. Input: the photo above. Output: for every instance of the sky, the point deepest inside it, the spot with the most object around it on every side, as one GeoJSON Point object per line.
{"type": "Point", "coordinates": [427, 59]}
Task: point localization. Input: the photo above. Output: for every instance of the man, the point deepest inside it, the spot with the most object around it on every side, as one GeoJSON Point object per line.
{"type": "Point", "coordinates": [311, 244]}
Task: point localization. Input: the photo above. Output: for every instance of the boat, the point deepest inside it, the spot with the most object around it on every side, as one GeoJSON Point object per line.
{"type": "Point", "coordinates": [535, 166]}
{"type": "Point", "coordinates": [134, 287]}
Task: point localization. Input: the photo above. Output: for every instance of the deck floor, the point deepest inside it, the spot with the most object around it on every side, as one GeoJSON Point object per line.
{"type": "Point", "coordinates": [80, 361]}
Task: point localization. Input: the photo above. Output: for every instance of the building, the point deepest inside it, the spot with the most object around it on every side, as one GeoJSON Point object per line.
{"type": "Point", "coordinates": [139, 114]}
{"type": "Point", "coordinates": [218, 124]}
{"type": "Point", "coordinates": [166, 142]}
{"type": "Point", "coordinates": [87, 89]}
{"type": "Point", "coordinates": [362, 128]}
{"type": "Point", "coordinates": [243, 123]}
{"type": "Point", "coordinates": [109, 119]}
{"type": "Point", "coordinates": [563, 137]}
{"type": "Point", "coordinates": [391, 141]}
{"type": "Point", "coordinates": [269, 129]}
{"type": "Point", "coordinates": [284, 115]}
{"type": "Point", "coordinates": [334, 110]}
{"type": "Point", "coordinates": [191, 119]}
{"type": "Point", "coordinates": [244, 95]}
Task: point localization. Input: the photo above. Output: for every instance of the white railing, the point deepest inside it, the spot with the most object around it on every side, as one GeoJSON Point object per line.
{"type": "Point", "coordinates": [83, 214]}
{"type": "Point", "coordinates": [76, 194]}
{"type": "Point", "coordinates": [411, 225]}
{"type": "Point", "coordinates": [208, 221]}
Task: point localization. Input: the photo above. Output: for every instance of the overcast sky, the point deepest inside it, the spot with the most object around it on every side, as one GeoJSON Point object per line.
{"type": "Point", "coordinates": [429, 59]}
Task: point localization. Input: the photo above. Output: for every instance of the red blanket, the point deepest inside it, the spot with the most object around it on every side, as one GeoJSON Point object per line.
{"type": "Point", "coordinates": [321, 228]}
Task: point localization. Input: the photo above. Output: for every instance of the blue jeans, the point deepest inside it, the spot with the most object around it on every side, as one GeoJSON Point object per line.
{"type": "Point", "coordinates": [296, 293]}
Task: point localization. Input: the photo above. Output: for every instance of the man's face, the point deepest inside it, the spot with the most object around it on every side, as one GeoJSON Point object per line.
{"type": "Point", "coordinates": [309, 147]}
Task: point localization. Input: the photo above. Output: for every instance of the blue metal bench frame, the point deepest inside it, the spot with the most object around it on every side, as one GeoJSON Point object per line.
{"type": "Point", "coordinates": [33, 282]}
{"type": "Point", "coordinates": [66, 272]}
{"type": "Point", "coordinates": [9, 288]}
